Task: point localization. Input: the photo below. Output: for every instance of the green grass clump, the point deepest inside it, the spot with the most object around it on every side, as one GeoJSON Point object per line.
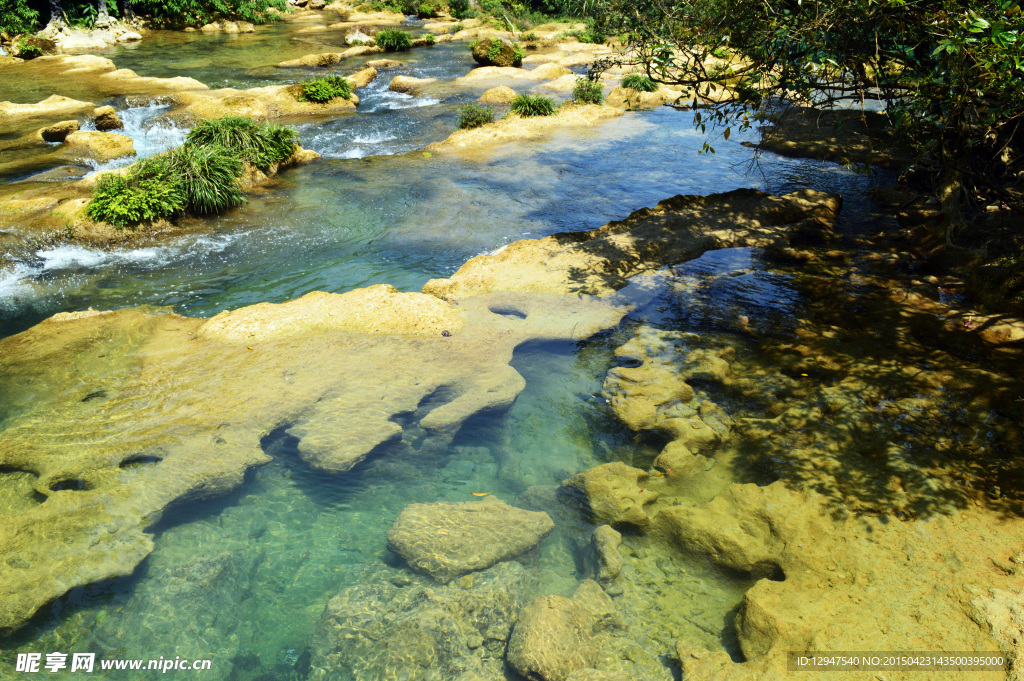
{"type": "Point", "coordinates": [429, 38]}
{"type": "Point", "coordinates": [260, 145]}
{"type": "Point", "coordinates": [393, 40]}
{"type": "Point", "coordinates": [457, 27]}
{"type": "Point", "coordinates": [639, 82]}
{"type": "Point", "coordinates": [201, 177]}
{"type": "Point", "coordinates": [533, 105]}
{"type": "Point", "coordinates": [589, 35]}
{"type": "Point", "coordinates": [722, 53]}
{"type": "Point", "coordinates": [207, 176]}
{"type": "Point", "coordinates": [325, 88]}
{"type": "Point", "coordinates": [473, 116]}
{"type": "Point", "coordinates": [428, 10]}
{"type": "Point", "coordinates": [531, 37]}
{"type": "Point", "coordinates": [587, 91]}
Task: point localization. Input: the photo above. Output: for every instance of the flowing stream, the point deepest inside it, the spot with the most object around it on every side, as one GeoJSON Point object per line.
{"type": "Point", "coordinates": [377, 209]}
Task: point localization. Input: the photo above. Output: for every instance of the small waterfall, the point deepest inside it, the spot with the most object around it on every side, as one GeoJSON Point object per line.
{"type": "Point", "coordinates": [149, 137]}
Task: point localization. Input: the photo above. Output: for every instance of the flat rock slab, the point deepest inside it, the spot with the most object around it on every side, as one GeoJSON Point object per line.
{"type": "Point", "coordinates": [448, 539]}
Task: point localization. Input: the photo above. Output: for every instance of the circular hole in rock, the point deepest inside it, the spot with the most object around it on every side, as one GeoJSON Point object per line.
{"type": "Point", "coordinates": [508, 311]}
{"type": "Point", "coordinates": [140, 460]}
{"type": "Point", "coordinates": [70, 484]}
{"type": "Point", "coordinates": [628, 362]}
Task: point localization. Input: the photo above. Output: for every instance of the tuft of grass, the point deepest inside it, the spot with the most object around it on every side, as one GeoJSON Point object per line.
{"type": "Point", "coordinates": [207, 177]}
{"type": "Point", "coordinates": [260, 145]}
{"type": "Point", "coordinates": [27, 50]}
{"type": "Point", "coordinates": [533, 105]}
{"type": "Point", "coordinates": [531, 37]}
{"type": "Point", "coordinates": [429, 38]}
{"type": "Point", "coordinates": [639, 82]}
{"type": "Point", "coordinates": [587, 91]}
{"type": "Point", "coordinates": [393, 40]}
{"type": "Point", "coordinates": [589, 35]}
{"type": "Point", "coordinates": [474, 116]}
{"type": "Point", "coordinates": [722, 53]}
{"type": "Point", "coordinates": [325, 88]}
{"type": "Point", "coordinates": [428, 10]}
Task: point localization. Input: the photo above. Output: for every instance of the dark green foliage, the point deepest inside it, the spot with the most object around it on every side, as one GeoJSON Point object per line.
{"type": "Point", "coordinates": [588, 91]}
{"type": "Point", "coordinates": [17, 16]}
{"type": "Point", "coordinates": [126, 200]}
{"type": "Point", "coordinates": [207, 177]}
{"type": "Point", "coordinates": [326, 88]}
{"type": "Point", "coordinates": [26, 50]}
{"type": "Point", "coordinates": [260, 145]}
{"type": "Point", "coordinates": [639, 82]}
{"type": "Point", "coordinates": [474, 115]}
{"type": "Point", "coordinates": [393, 40]}
{"type": "Point", "coordinates": [178, 13]}
{"type": "Point", "coordinates": [428, 10]}
{"type": "Point", "coordinates": [533, 105]}
{"type": "Point", "coordinates": [458, 8]}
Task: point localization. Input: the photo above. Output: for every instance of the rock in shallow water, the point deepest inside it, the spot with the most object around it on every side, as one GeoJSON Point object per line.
{"type": "Point", "coordinates": [447, 539]}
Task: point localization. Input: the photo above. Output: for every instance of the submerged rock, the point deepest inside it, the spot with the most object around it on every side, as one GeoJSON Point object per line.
{"type": "Point", "coordinates": [554, 636]}
{"type": "Point", "coordinates": [418, 630]}
{"type": "Point", "coordinates": [445, 539]}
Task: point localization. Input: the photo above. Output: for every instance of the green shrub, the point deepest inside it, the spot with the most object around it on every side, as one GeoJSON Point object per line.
{"type": "Point", "coordinates": [587, 91]}
{"type": "Point", "coordinates": [474, 115]}
{"type": "Point", "coordinates": [531, 37]}
{"type": "Point", "coordinates": [457, 27]}
{"type": "Point", "coordinates": [429, 38]}
{"type": "Point", "coordinates": [393, 40]}
{"type": "Point", "coordinates": [326, 88]}
{"type": "Point", "coordinates": [639, 82]}
{"type": "Point", "coordinates": [126, 200]}
{"type": "Point", "coordinates": [428, 10]}
{"type": "Point", "coordinates": [260, 145]}
{"type": "Point", "coordinates": [722, 53]}
{"type": "Point", "coordinates": [27, 50]}
{"type": "Point", "coordinates": [533, 105]}
{"type": "Point", "coordinates": [590, 35]}
{"type": "Point", "coordinates": [179, 13]}
{"type": "Point", "coordinates": [458, 8]}
{"type": "Point", "coordinates": [207, 177]}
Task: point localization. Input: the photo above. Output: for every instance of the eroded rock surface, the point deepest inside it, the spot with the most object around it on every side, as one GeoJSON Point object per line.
{"type": "Point", "coordinates": [402, 626]}
{"type": "Point", "coordinates": [448, 539]}
{"type": "Point", "coordinates": [615, 494]}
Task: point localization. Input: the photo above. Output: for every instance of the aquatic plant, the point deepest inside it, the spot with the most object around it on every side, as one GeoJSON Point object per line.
{"type": "Point", "coordinates": [474, 116]}
{"type": "Point", "coordinates": [429, 38]}
{"type": "Point", "coordinates": [639, 82]}
{"type": "Point", "coordinates": [457, 27]}
{"type": "Point", "coordinates": [207, 177]}
{"type": "Point", "coordinates": [260, 145]}
{"type": "Point", "coordinates": [126, 200]}
{"type": "Point", "coordinates": [587, 91]}
{"type": "Point", "coordinates": [393, 40]}
{"type": "Point", "coordinates": [533, 105]}
{"type": "Point", "coordinates": [325, 88]}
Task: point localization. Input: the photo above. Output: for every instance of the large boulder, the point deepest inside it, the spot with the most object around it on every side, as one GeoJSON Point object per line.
{"type": "Point", "coordinates": [99, 146]}
{"type": "Point", "coordinates": [106, 118]}
{"type": "Point", "coordinates": [497, 52]}
{"type": "Point", "coordinates": [408, 84]}
{"type": "Point", "coordinates": [554, 636]}
{"type": "Point", "coordinates": [448, 539]}
{"type": "Point", "coordinates": [32, 46]}
{"type": "Point", "coordinates": [615, 494]}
